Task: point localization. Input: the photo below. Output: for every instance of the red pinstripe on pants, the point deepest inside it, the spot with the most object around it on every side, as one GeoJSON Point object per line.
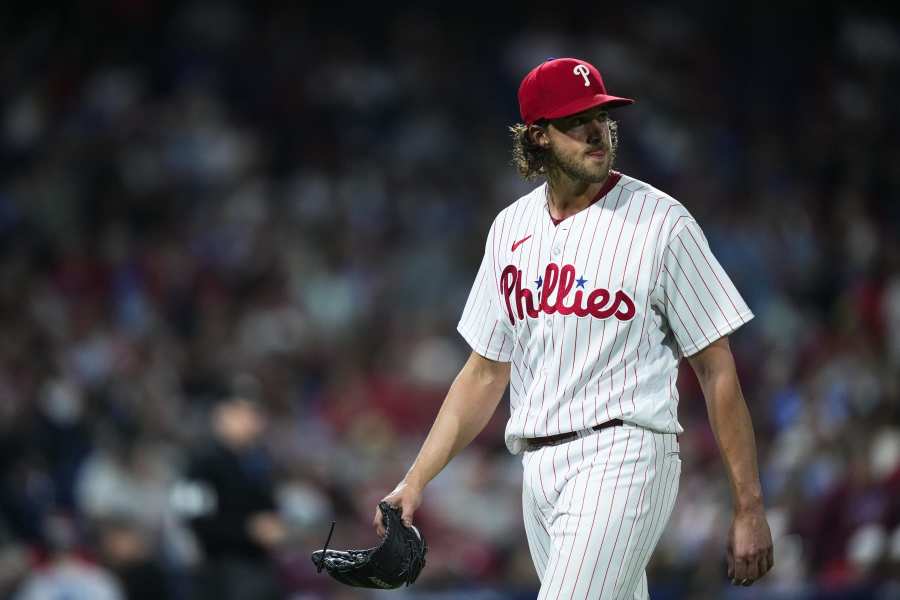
{"type": "Point", "coordinates": [592, 533]}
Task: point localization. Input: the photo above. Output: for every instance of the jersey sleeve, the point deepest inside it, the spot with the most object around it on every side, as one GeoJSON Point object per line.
{"type": "Point", "coordinates": [482, 324]}
{"type": "Point", "coordinates": [694, 293]}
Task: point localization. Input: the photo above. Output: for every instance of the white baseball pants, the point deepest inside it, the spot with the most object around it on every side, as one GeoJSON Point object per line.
{"type": "Point", "coordinates": [594, 509]}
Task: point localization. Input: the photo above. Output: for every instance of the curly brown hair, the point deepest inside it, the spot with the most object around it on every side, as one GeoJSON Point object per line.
{"type": "Point", "coordinates": [530, 159]}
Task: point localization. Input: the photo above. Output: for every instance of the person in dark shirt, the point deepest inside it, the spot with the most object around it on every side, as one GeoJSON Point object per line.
{"type": "Point", "coordinates": [231, 492]}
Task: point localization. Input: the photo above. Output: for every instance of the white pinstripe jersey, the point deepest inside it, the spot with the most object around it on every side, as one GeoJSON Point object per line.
{"type": "Point", "coordinates": [596, 312]}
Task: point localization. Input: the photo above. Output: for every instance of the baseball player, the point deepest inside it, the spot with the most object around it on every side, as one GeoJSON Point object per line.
{"type": "Point", "coordinates": [592, 288]}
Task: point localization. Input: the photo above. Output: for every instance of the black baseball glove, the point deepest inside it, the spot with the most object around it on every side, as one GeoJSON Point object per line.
{"type": "Point", "coordinates": [397, 560]}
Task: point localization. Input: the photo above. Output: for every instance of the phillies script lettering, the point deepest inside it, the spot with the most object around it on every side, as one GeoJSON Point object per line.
{"type": "Point", "coordinates": [599, 303]}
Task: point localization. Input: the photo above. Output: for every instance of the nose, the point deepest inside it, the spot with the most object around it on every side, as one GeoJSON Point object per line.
{"type": "Point", "coordinates": [594, 130]}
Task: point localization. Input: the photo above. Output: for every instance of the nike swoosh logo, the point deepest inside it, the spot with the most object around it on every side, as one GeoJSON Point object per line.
{"type": "Point", "coordinates": [519, 243]}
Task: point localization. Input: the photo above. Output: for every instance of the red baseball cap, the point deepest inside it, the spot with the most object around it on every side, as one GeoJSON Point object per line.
{"type": "Point", "coordinates": [563, 86]}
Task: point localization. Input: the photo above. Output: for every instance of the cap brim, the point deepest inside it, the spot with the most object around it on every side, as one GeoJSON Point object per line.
{"type": "Point", "coordinates": [582, 104]}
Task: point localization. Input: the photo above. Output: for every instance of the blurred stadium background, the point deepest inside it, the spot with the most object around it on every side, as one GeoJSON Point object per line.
{"type": "Point", "coordinates": [287, 202]}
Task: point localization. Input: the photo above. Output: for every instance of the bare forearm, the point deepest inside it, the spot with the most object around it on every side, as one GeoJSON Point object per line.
{"type": "Point", "coordinates": [472, 399]}
{"type": "Point", "coordinates": [733, 428]}
{"type": "Point", "coordinates": [749, 555]}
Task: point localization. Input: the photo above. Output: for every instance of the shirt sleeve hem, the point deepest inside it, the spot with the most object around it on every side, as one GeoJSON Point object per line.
{"type": "Point", "coordinates": [730, 327]}
{"type": "Point", "coordinates": [479, 348]}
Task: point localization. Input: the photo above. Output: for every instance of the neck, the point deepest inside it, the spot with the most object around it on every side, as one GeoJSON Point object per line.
{"type": "Point", "coordinates": [568, 196]}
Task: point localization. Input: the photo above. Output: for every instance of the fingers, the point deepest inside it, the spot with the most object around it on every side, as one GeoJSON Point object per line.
{"type": "Point", "coordinates": [406, 511]}
{"type": "Point", "coordinates": [763, 565]}
{"type": "Point", "coordinates": [766, 561]}
{"type": "Point", "coordinates": [749, 547]}
{"type": "Point", "coordinates": [741, 574]}
{"type": "Point", "coordinates": [752, 570]}
{"type": "Point", "coordinates": [745, 571]}
{"type": "Point", "coordinates": [406, 498]}
{"type": "Point", "coordinates": [379, 526]}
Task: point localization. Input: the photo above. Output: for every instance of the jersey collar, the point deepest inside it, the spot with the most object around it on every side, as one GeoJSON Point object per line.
{"type": "Point", "coordinates": [611, 181]}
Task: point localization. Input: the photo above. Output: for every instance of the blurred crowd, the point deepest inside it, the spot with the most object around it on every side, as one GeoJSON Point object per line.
{"type": "Point", "coordinates": [235, 244]}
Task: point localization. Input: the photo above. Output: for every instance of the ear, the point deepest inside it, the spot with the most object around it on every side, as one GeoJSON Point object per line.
{"type": "Point", "coordinates": [538, 135]}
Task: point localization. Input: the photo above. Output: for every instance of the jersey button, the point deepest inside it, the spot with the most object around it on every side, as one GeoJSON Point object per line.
{"type": "Point", "coordinates": [556, 251]}
{"type": "Point", "coordinates": [549, 321]}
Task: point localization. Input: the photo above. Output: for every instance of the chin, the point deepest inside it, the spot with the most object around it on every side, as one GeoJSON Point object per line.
{"type": "Point", "coordinates": [598, 174]}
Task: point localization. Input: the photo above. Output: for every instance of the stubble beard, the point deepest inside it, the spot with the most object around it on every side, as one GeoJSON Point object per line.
{"type": "Point", "coordinates": [580, 169]}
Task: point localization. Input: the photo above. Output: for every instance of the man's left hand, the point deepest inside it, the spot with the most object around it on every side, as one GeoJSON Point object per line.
{"type": "Point", "coordinates": [750, 553]}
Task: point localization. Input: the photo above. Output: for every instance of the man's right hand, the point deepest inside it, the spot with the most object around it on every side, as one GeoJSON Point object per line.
{"type": "Point", "coordinates": [407, 497]}
{"type": "Point", "coordinates": [472, 399]}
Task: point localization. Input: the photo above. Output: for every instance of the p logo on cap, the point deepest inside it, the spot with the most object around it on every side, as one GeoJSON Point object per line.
{"type": "Point", "coordinates": [583, 71]}
{"type": "Point", "coordinates": [563, 86]}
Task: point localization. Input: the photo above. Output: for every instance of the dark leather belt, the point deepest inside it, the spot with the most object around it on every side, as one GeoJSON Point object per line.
{"type": "Point", "coordinates": [553, 440]}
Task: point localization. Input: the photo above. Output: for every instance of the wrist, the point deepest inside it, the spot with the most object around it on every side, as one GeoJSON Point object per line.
{"type": "Point", "coordinates": [412, 480]}
{"type": "Point", "coordinates": [749, 504]}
